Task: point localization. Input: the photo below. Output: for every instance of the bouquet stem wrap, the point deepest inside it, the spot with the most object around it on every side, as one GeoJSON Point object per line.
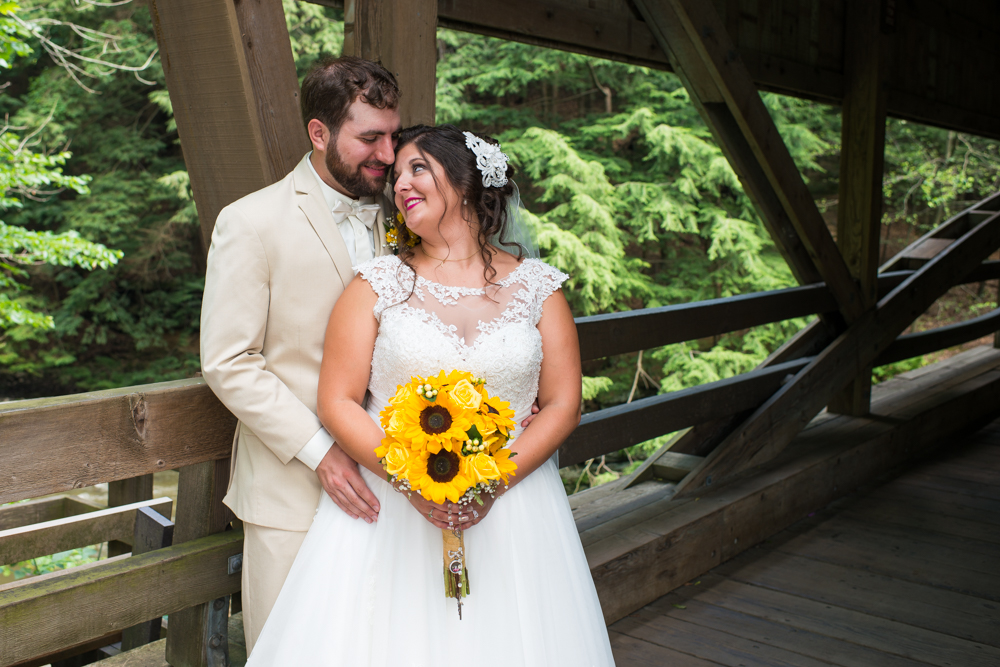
{"type": "Point", "coordinates": [456, 577]}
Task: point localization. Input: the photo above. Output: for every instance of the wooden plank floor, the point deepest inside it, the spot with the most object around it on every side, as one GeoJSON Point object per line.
{"type": "Point", "coordinates": [903, 574]}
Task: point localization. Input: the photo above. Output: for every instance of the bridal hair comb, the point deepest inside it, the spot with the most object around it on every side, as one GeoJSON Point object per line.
{"type": "Point", "coordinates": [490, 160]}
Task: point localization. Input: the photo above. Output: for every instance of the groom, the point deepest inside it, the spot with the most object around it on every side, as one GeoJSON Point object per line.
{"type": "Point", "coordinates": [280, 257]}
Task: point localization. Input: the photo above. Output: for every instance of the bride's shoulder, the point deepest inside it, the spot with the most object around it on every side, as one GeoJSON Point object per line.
{"type": "Point", "coordinates": [382, 273]}
{"type": "Point", "coordinates": [546, 276]}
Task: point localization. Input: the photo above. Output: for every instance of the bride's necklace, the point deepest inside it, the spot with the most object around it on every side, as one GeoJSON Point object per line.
{"type": "Point", "coordinates": [447, 259]}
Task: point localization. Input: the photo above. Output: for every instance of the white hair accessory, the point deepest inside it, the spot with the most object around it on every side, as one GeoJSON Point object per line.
{"type": "Point", "coordinates": [490, 160]}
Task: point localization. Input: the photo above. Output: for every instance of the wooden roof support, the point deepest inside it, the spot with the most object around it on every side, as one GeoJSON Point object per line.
{"type": "Point", "coordinates": [705, 58]}
{"type": "Point", "coordinates": [402, 35]}
{"type": "Point", "coordinates": [235, 94]}
{"type": "Point", "coordinates": [859, 208]}
{"type": "Point", "coordinates": [773, 425]}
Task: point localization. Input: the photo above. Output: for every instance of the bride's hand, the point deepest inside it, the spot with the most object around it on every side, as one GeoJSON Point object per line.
{"type": "Point", "coordinates": [445, 516]}
{"type": "Point", "coordinates": [474, 512]}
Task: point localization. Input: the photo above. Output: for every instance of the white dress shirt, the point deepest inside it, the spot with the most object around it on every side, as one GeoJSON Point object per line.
{"type": "Point", "coordinates": [312, 452]}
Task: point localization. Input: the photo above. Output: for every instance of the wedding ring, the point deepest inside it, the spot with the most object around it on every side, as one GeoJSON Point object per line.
{"type": "Point", "coordinates": [463, 518]}
{"type": "Point", "coordinates": [430, 514]}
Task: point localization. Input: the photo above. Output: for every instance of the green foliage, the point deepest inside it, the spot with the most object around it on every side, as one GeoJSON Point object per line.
{"type": "Point", "coordinates": [931, 173]}
{"type": "Point", "coordinates": [54, 563]}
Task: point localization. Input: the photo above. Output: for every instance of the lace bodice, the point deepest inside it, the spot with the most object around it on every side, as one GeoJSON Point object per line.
{"type": "Point", "coordinates": [426, 327]}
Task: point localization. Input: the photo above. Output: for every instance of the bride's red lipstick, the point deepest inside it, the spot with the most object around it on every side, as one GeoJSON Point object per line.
{"type": "Point", "coordinates": [412, 201]}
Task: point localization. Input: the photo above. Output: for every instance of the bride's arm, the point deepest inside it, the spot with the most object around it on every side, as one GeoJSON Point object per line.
{"type": "Point", "coordinates": [343, 380]}
{"type": "Point", "coordinates": [559, 397]}
{"type": "Point", "coordinates": [559, 389]}
{"type": "Point", "coordinates": [343, 376]}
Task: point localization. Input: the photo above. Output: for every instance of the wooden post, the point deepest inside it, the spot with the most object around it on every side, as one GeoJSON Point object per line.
{"type": "Point", "coordinates": [859, 210]}
{"type": "Point", "coordinates": [232, 81]}
{"type": "Point", "coordinates": [126, 492]}
{"type": "Point", "coordinates": [152, 531]}
{"type": "Point", "coordinates": [705, 58]}
{"type": "Point", "coordinates": [401, 34]}
{"type": "Point", "coordinates": [198, 636]}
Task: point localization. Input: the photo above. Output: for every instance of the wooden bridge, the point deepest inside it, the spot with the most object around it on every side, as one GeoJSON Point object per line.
{"type": "Point", "coordinates": [756, 453]}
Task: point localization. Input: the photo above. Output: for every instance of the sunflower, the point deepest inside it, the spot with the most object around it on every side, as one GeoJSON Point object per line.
{"type": "Point", "coordinates": [501, 458]}
{"type": "Point", "coordinates": [439, 476]}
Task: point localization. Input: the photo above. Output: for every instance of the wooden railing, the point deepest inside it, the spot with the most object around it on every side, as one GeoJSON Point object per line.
{"type": "Point", "coordinates": [54, 445]}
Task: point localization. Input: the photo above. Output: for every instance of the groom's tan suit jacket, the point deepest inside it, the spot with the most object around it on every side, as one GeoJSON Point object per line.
{"type": "Point", "coordinates": [276, 267]}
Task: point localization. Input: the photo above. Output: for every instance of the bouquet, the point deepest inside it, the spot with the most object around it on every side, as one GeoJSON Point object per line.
{"type": "Point", "coordinates": [446, 438]}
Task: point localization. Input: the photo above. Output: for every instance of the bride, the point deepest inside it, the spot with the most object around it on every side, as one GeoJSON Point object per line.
{"type": "Point", "coordinates": [373, 594]}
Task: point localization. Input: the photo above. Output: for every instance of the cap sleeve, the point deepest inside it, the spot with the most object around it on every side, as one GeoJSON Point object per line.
{"type": "Point", "coordinates": [382, 273]}
{"type": "Point", "coordinates": [544, 280]}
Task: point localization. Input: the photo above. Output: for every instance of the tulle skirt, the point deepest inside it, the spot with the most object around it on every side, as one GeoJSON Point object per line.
{"type": "Point", "coordinates": [373, 594]}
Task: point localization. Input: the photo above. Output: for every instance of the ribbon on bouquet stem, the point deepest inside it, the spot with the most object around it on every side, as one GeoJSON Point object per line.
{"type": "Point", "coordinates": [456, 577]}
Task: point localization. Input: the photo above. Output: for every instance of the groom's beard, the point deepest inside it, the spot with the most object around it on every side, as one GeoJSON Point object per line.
{"type": "Point", "coordinates": [356, 182]}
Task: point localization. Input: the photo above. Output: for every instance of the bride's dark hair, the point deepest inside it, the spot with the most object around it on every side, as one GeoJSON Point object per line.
{"type": "Point", "coordinates": [446, 144]}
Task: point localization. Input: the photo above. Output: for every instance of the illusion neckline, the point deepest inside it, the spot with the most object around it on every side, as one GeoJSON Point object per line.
{"type": "Point", "coordinates": [506, 281]}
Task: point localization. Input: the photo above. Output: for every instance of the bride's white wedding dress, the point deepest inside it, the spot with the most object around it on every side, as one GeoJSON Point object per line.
{"type": "Point", "coordinates": [361, 594]}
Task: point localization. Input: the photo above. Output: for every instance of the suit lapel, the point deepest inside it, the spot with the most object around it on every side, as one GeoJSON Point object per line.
{"type": "Point", "coordinates": [311, 203]}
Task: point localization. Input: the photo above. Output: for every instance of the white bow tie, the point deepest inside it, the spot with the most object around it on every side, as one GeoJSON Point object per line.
{"type": "Point", "coordinates": [366, 213]}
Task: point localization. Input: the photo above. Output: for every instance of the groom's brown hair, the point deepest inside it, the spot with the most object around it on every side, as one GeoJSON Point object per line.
{"type": "Point", "coordinates": [330, 89]}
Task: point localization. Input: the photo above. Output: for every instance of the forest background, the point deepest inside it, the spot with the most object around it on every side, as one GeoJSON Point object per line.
{"type": "Point", "coordinates": [101, 259]}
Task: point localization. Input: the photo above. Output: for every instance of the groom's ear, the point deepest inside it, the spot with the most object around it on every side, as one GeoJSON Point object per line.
{"type": "Point", "coordinates": [319, 134]}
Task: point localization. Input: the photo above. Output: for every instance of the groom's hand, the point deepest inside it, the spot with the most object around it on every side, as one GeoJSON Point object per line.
{"type": "Point", "coordinates": [338, 473]}
{"type": "Point", "coordinates": [531, 417]}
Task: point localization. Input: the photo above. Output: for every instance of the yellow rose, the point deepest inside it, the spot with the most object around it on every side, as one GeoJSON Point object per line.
{"type": "Point", "coordinates": [402, 395]}
{"type": "Point", "coordinates": [396, 460]}
{"type": "Point", "coordinates": [465, 396]}
{"type": "Point", "coordinates": [397, 423]}
{"type": "Point", "coordinates": [483, 467]}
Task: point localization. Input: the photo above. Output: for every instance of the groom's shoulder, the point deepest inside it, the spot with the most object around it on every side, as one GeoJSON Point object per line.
{"type": "Point", "coordinates": [264, 203]}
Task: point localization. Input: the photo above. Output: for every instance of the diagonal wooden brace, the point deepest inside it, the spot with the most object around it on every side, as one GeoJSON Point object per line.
{"type": "Point", "coordinates": [705, 57]}
{"type": "Point", "coordinates": [774, 424]}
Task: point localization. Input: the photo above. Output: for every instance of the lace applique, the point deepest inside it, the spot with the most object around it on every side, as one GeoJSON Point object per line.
{"type": "Point", "coordinates": [430, 330]}
{"type": "Point", "coordinates": [390, 284]}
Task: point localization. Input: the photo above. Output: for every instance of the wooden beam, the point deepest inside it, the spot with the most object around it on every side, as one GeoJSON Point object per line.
{"type": "Point", "coordinates": [104, 436]}
{"type": "Point", "coordinates": [631, 331]}
{"type": "Point", "coordinates": [402, 35]}
{"type": "Point", "coordinates": [198, 636]}
{"type": "Point", "coordinates": [707, 61]}
{"type": "Point", "coordinates": [43, 509]}
{"type": "Point", "coordinates": [152, 531]}
{"type": "Point", "coordinates": [629, 424]}
{"type": "Point", "coordinates": [235, 96]}
{"type": "Point", "coordinates": [43, 615]}
{"type": "Point", "coordinates": [125, 492]}
{"type": "Point", "coordinates": [925, 342]}
{"type": "Point", "coordinates": [43, 539]}
{"type": "Point", "coordinates": [859, 208]}
{"type": "Point", "coordinates": [772, 426]}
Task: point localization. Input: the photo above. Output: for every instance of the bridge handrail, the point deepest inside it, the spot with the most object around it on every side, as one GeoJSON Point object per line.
{"type": "Point", "coordinates": [122, 433]}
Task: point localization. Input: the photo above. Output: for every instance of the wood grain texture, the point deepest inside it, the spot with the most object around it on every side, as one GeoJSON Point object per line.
{"type": "Point", "coordinates": [43, 539]}
{"type": "Point", "coordinates": [231, 77]}
{"type": "Point", "coordinates": [116, 594]}
{"type": "Point", "coordinates": [109, 435]}
{"type": "Point", "coordinates": [859, 207]}
{"type": "Point", "coordinates": [401, 34]}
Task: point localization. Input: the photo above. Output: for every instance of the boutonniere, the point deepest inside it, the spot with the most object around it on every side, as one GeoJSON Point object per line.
{"type": "Point", "coordinates": [400, 232]}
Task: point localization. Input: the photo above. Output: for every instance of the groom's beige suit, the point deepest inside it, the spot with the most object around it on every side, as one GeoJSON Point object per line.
{"type": "Point", "coordinates": [276, 267]}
